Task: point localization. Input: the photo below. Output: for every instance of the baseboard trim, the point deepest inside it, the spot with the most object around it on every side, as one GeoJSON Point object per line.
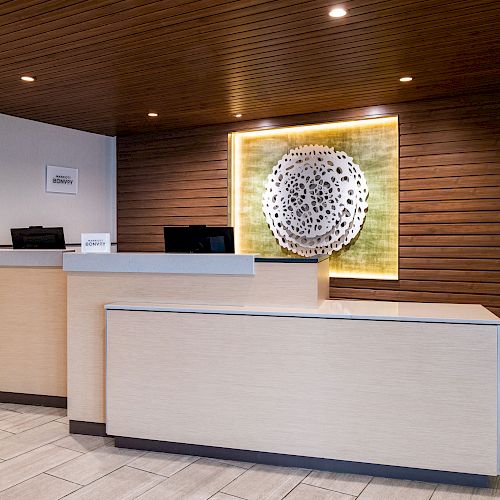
{"type": "Point", "coordinates": [33, 399]}
{"type": "Point", "coordinates": [326, 464]}
{"type": "Point", "coordinates": [87, 428]}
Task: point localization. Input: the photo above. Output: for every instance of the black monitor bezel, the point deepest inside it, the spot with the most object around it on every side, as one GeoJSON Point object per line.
{"type": "Point", "coordinates": [19, 234]}
{"type": "Point", "coordinates": [187, 235]}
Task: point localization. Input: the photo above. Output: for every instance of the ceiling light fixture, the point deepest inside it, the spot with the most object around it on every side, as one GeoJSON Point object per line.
{"type": "Point", "coordinates": [238, 115]}
{"type": "Point", "coordinates": [153, 115]}
{"type": "Point", "coordinates": [337, 12]}
{"type": "Point", "coordinates": [27, 78]}
{"type": "Point", "coordinates": [406, 79]}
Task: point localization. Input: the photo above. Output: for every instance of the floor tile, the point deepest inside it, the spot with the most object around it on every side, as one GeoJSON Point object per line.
{"type": "Point", "coordinates": [94, 464]}
{"type": "Point", "coordinates": [32, 464]}
{"type": "Point", "coordinates": [5, 434]}
{"type": "Point", "coordinates": [10, 407]}
{"type": "Point", "coordinates": [352, 484]}
{"type": "Point", "coordinates": [222, 496]}
{"type": "Point", "coordinates": [20, 422]}
{"type": "Point", "coordinates": [236, 463]}
{"type": "Point", "coordinates": [36, 410]}
{"type": "Point", "coordinates": [42, 487]}
{"type": "Point", "coordinates": [393, 489]}
{"type": "Point", "coordinates": [447, 492]}
{"type": "Point", "coordinates": [266, 482]}
{"type": "Point", "coordinates": [164, 464]}
{"type": "Point", "coordinates": [5, 408]}
{"type": "Point", "coordinates": [122, 484]}
{"type": "Point", "coordinates": [305, 491]}
{"type": "Point", "coordinates": [81, 442]}
{"type": "Point", "coordinates": [6, 413]}
{"type": "Point", "coordinates": [197, 481]}
{"type": "Point", "coordinates": [64, 420]}
{"type": "Point", "coordinates": [17, 444]}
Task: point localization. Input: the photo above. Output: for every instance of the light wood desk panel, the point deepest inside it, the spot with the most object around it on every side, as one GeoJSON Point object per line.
{"type": "Point", "coordinates": [280, 284]}
{"type": "Point", "coordinates": [413, 394]}
{"type": "Point", "coordinates": [33, 330]}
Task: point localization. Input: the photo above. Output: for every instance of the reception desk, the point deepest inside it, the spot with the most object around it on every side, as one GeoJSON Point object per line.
{"type": "Point", "coordinates": [95, 280]}
{"type": "Point", "coordinates": [244, 358]}
{"type": "Point", "coordinates": [392, 389]}
{"type": "Point", "coordinates": [32, 327]}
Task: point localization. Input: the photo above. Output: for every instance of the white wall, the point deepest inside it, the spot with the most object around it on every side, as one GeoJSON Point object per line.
{"type": "Point", "coordinates": [26, 148]}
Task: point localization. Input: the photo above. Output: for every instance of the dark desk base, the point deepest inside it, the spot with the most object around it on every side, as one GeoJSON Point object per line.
{"type": "Point", "coordinates": [325, 464]}
{"type": "Point", "coordinates": [33, 399]}
{"type": "Point", "coordinates": [87, 428]}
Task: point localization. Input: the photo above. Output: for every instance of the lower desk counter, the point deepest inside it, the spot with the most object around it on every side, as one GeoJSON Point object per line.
{"type": "Point", "coordinates": [32, 327]}
{"type": "Point", "coordinates": [415, 388]}
{"type": "Point", "coordinates": [95, 280]}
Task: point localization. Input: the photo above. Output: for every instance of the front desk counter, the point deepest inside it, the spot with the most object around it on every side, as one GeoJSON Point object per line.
{"type": "Point", "coordinates": [32, 327]}
{"type": "Point", "coordinates": [249, 361]}
{"type": "Point", "coordinates": [94, 280]}
{"type": "Point", "coordinates": [380, 388]}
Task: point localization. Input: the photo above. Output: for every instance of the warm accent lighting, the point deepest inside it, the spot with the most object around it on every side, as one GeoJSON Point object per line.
{"type": "Point", "coordinates": [27, 78]}
{"type": "Point", "coordinates": [406, 79]}
{"type": "Point", "coordinates": [152, 115]}
{"type": "Point", "coordinates": [338, 12]}
{"type": "Point", "coordinates": [322, 126]}
{"type": "Point", "coordinates": [238, 115]}
{"type": "Point", "coordinates": [251, 162]}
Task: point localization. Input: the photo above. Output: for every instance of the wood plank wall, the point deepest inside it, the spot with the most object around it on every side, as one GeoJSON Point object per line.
{"type": "Point", "coordinates": [449, 195]}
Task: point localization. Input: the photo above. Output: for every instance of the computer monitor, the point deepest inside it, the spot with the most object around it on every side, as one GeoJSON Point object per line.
{"type": "Point", "coordinates": [38, 237]}
{"type": "Point", "coordinates": [198, 239]}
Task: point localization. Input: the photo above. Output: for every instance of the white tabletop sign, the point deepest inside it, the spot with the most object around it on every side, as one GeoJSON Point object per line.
{"type": "Point", "coordinates": [96, 243]}
{"type": "Point", "coordinates": [61, 180]}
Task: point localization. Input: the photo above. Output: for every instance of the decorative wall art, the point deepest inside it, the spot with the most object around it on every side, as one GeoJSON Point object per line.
{"type": "Point", "coordinates": [320, 189]}
{"type": "Point", "coordinates": [315, 200]}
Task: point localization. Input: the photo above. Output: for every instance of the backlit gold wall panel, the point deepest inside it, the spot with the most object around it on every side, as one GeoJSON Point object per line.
{"type": "Point", "coordinates": [374, 146]}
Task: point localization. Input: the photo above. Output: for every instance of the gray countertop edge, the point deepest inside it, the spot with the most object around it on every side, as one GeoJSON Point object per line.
{"type": "Point", "coordinates": [298, 314]}
{"type": "Point", "coordinates": [162, 263]}
{"type": "Point", "coordinates": [32, 258]}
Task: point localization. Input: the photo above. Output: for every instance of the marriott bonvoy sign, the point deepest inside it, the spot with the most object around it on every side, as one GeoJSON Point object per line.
{"type": "Point", "coordinates": [61, 180]}
{"type": "Point", "coordinates": [96, 243]}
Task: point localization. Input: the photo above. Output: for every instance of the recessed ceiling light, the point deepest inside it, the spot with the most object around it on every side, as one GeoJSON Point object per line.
{"type": "Point", "coordinates": [27, 78]}
{"type": "Point", "coordinates": [406, 79]}
{"type": "Point", "coordinates": [238, 115]}
{"type": "Point", "coordinates": [337, 12]}
{"type": "Point", "coordinates": [152, 115]}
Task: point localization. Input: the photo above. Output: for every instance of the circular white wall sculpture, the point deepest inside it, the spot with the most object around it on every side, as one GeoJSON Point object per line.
{"type": "Point", "coordinates": [315, 200]}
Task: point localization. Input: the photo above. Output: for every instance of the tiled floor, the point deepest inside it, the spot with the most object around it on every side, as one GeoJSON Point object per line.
{"type": "Point", "coordinates": [39, 460]}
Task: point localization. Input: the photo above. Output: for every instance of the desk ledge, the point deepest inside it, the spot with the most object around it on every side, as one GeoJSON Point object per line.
{"type": "Point", "coordinates": [228, 264]}
{"type": "Point", "coordinates": [339, 309]}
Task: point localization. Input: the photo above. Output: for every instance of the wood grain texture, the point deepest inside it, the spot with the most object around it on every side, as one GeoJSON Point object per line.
{"type": "Point", "coordinates": [449, 194]}
{"type": "Point", "coordinates": [273, 284]}
{"type": "Point", "coordinates": [33, 331]}
{"type": "Point", "coordinates": [203, 61]}
{"type": "Point", "coordinates": [370, 391]}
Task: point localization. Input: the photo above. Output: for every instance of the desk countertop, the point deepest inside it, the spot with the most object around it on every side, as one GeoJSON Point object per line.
{"type": "Point", "coordinates": [31, 258]}
{"type": "Point", "coordinates": [167, 263]}
{"type": "Point", "coordinates": [172, 263]}
{"type": "Point", "coordinates": [339, 309]}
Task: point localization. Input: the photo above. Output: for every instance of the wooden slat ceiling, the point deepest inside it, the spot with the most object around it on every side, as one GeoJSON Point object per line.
{"type": "Point", "coordinates": [102, 65]}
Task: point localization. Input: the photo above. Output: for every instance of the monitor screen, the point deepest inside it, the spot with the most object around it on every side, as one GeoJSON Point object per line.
{"type": "Point", "coordinates": [198, 239]}
{"type": "Point", "coordinates": [38, 237]}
